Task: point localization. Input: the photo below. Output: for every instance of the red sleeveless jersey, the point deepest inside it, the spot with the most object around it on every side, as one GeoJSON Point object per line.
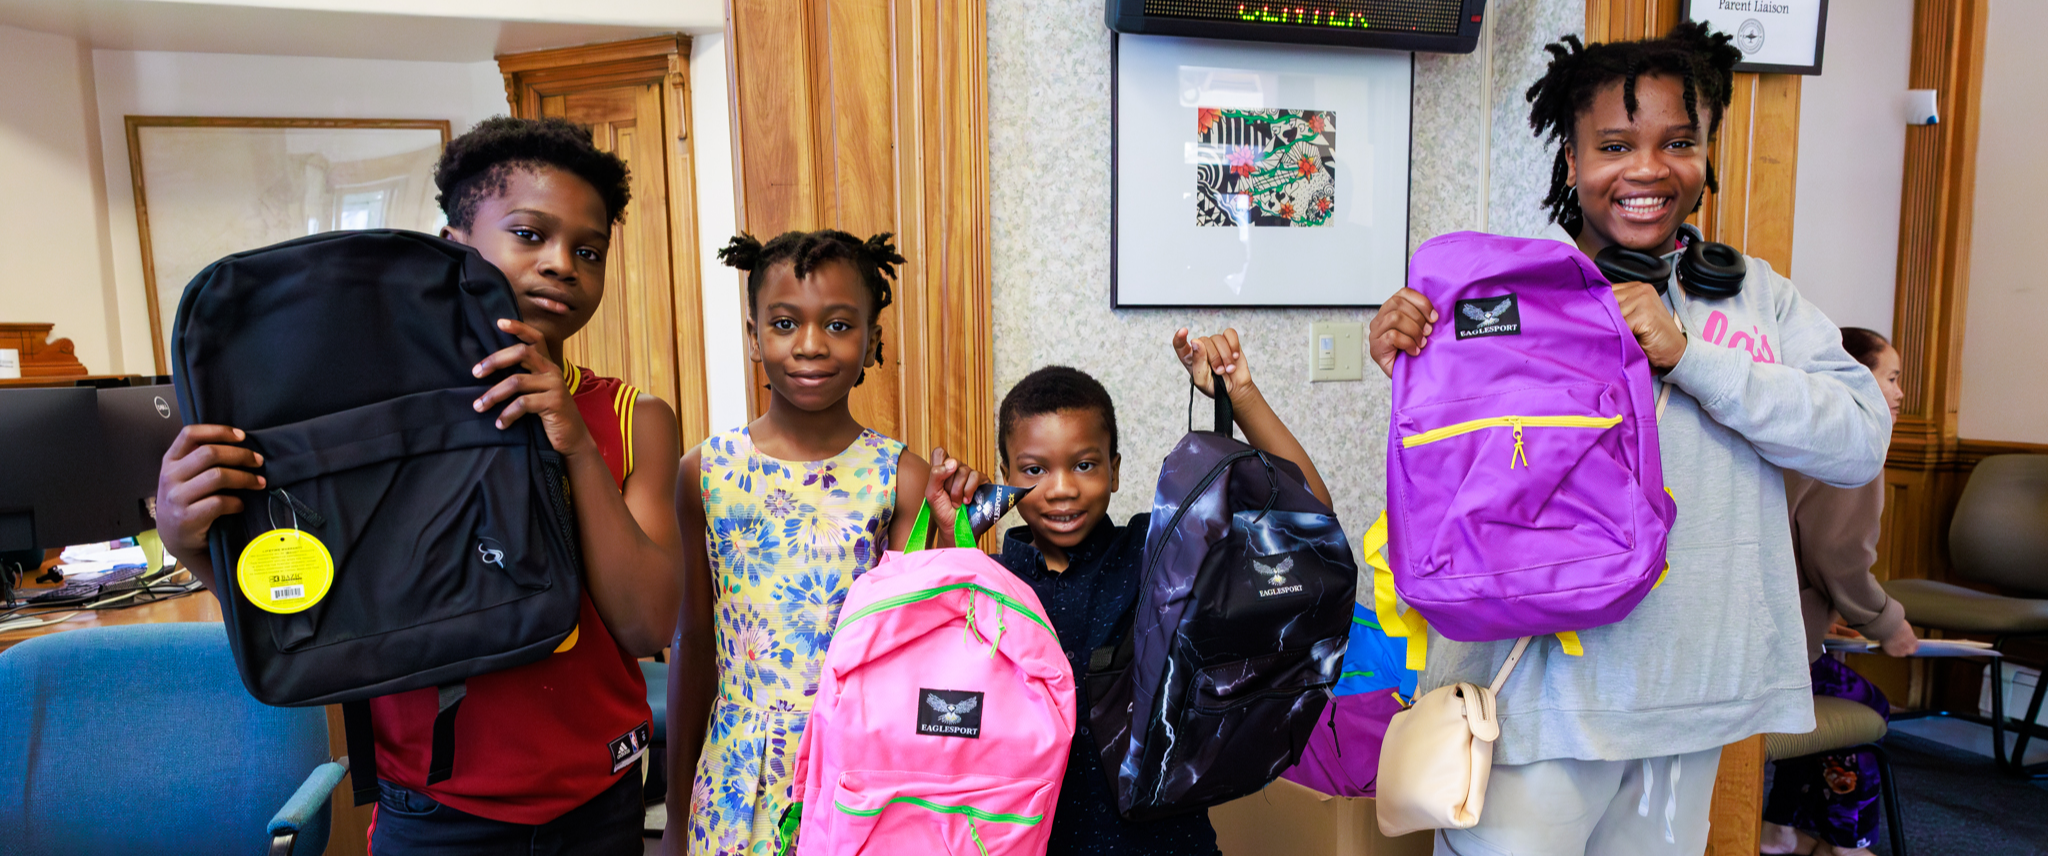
{"type": "Point", "coordinates": [534, 741]}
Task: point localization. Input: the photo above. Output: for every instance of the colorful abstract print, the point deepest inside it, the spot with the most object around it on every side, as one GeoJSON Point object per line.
{"type": "Point", "coordinates": [1265, 167]}
{"type": "Point", "coordinates": [786, 539]}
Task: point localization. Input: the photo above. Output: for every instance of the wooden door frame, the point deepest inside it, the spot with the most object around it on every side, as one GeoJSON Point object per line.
{"type": "Point", "coordinates": [790, 172]}
{"type": "Point", "coordinates": [663, 58]}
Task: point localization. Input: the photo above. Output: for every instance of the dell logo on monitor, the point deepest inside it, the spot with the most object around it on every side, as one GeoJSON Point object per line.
{"type": "Point", "coordinates": [163, 408]}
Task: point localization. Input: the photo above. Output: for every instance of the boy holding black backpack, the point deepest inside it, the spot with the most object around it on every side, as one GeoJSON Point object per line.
{"type": "Point", "coordinates": [547, 751]}
{"type": "Point", "coordinates": [1056, 431]}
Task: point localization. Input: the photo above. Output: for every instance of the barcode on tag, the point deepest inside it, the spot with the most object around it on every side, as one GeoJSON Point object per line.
{"type": "Point", "coordinates": [287, 592]}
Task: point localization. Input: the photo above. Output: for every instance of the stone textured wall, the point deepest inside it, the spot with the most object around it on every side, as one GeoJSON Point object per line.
{"type": "Point", "coordinates": [1475, 166]}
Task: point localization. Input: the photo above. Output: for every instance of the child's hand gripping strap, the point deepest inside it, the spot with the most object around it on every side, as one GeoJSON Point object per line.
{"type": "Point", "coordinates": [921, 531]}
{"type": "Point", "coordinates": [1411, 624]}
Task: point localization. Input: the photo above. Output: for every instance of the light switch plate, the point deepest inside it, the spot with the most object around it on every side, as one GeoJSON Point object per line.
{"type": "Point", "coordinates": [1336, 351]}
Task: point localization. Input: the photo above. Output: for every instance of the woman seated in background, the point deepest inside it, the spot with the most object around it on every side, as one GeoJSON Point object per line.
{"type": "Point", "coordinates": [1826, 803]}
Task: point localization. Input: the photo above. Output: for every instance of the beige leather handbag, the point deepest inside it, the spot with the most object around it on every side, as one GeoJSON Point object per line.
{"type": "Point", "coordinates": [1437, 755]}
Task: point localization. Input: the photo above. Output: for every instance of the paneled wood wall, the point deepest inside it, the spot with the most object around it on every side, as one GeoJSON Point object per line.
{"type": "Point", "coordinates": [1929, 463]}
{"type": "Point", "coordinates": [872, 116]}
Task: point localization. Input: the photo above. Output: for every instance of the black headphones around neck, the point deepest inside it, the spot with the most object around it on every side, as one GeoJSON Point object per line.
{"type": "Point", "coordinates": [1708, 270]}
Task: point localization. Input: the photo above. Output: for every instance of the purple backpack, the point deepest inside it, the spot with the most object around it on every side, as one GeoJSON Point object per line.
{"type": "Point", "coordinates": [1525, 494]}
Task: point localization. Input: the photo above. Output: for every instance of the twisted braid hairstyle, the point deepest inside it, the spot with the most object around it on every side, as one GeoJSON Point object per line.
{"type": "Point", "coordinates": [1702, 60]}
{"type": "Point", "coordinates": [874, 261]}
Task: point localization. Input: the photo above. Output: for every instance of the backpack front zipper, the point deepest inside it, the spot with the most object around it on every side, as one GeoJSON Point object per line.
{"type": "Point", "coordinates": [1515, 422]}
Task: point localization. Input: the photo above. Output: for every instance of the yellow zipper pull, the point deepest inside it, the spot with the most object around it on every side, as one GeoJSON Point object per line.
{"type": "Point", "coordinates": [1520, 455]}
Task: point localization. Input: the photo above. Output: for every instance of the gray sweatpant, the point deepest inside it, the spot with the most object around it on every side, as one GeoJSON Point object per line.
{"type": "Point", "coordinates": [1644, 807]}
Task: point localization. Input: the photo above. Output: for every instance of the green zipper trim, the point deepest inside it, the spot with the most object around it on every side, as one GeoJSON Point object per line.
{"type": "Point", "coordinates": [1358, 619]}
{"type": "Point", "coordinates": [978, 814]}
{"type": "Point", "coordinates": [1344, 675]}
{"type": "Point", "coordinates": [909, 598]}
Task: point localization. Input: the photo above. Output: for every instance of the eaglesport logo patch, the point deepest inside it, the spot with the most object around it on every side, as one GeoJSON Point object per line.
{"type": "Point", "coordinates": [1500, 315]}
{"type": "Point", "coordinates": [949, 713]}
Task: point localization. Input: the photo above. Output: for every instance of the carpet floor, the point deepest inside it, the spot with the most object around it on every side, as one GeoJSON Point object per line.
{"type": "Point", "coordinates": [1957, 804]}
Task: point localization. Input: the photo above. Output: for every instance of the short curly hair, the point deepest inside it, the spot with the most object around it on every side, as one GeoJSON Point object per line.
{"type": "Point", "coordinates": [475, 165]}
{"type": "Point", "coordinates": [1053, 389]}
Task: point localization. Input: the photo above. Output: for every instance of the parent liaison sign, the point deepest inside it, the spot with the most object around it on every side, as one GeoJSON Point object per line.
{"type": "Point", "coordinates": [1775, 36]}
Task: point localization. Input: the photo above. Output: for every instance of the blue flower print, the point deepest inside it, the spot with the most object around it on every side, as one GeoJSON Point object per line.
{"type": "Point", "coordinates": [809, 601]}
{"type": "Point", "coordinates": [747, 542]}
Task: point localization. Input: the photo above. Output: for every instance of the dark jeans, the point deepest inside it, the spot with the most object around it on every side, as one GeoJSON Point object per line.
{"type": "Point", "coordinates": [408, 822]}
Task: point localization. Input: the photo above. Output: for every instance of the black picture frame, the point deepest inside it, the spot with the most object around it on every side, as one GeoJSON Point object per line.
{"type": "Point", "coordinates": [1820, 43]}
{"type": "Point", "coordinates": [1115, 126]}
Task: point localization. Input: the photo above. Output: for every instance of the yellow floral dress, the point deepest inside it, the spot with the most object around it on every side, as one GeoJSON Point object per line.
{"type": "Point", "coordinates": [786, 540]}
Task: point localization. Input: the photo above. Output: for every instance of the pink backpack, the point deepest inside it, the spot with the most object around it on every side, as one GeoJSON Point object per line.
{"type": "Point", "coordinates": [943, 717]}
{"type": "Point", "coordinates": [1525, 491]}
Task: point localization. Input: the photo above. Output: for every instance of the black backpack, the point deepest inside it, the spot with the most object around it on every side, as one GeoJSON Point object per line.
{"type": "Point", "coordinates": [1227, 657]}
{"type": "Point", "coordinates": [346, 358]}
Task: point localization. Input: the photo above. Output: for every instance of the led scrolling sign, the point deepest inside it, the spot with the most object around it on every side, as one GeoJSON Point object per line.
{"type": "Point", "coordinates": [1448, 26]}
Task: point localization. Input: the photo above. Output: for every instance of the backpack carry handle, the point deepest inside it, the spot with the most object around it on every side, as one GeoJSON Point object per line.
{"type": "Point", "coordinates": [921, 531]}
{"type": "Point", "coordinates": [1224, 418]}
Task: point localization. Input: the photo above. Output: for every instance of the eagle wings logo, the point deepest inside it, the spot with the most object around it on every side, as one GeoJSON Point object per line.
{"type": "Point", "coordinates": [950, 713]}
{"type": "Point", "coordinates": [1488, 318]}
{"type": "Point", "coordinates": [1279, 571]}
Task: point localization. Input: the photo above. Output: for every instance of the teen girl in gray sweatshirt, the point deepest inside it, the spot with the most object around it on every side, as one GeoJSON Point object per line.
{"type": "Point", "coordinates": [1615, 751]}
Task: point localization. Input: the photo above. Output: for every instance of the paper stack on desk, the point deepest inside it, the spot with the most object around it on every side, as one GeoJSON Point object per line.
{"type": "Point", "coordinates": [1928, 647]}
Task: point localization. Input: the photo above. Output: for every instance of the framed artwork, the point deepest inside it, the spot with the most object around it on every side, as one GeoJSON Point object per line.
{"type": "Point", "coordinates": [1257, 175]}
{"type": "Point", "coordinates": [1775, 36]}
{"type": "Point", "coordinates": [207, 187]}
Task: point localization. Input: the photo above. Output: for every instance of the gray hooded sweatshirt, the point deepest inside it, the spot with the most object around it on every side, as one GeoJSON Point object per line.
{"type": "Point", "coordinates": [1717, 652]}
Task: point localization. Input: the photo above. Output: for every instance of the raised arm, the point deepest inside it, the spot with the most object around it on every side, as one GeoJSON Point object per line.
{"type": "Point", "coordinates": [632, 550]}
{"type": "Point", "coordinates": [1208, 358]}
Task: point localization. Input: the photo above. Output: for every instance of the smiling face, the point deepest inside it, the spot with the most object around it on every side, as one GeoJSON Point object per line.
{"type": "Point", "coordinates": [1066, 455]}
{"type": "Point", "coordinates": [548, 232]}
{"type": "Point", "coordinates": [813, 335]}
{"type": "Point", "coordinates": [1637, 177]}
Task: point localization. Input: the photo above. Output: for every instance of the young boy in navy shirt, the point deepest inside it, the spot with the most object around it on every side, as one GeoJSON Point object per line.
{"type": "Point", "coordinates": [538, 767]}
{"type": "Point", "coordinates": [1056, 431]}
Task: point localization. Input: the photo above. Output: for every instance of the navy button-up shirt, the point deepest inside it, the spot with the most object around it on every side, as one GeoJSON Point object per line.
{"type": "Point", "coordinates": [1085, 602]}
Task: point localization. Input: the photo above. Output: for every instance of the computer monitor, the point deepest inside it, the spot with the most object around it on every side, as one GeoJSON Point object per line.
{"type": "Point", "coordinates": [51, 470]}
{"type": "Point", "coordinates": [138, 424]}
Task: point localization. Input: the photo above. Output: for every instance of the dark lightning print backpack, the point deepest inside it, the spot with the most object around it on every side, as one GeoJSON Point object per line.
{"type": "Point", "coordinates": [1239, 628]}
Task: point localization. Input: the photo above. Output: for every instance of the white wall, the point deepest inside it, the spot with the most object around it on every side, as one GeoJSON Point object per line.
{"type": "Point", "coordinates": [2004, 350]}
{"type": "Point", "coordinates": [1852, 154]}
{"type": "Point", "coordinates": [726, 372]}
{"type": "Point", "coordinates": [51, 227]}
{"type": "Point", "coordinates": [155, 83]}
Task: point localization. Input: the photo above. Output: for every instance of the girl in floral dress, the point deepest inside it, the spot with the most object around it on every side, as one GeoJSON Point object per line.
{"type": "Point", "coordinates": [790, 509]}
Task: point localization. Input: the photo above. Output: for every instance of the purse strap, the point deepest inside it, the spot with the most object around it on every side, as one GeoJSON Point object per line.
{"type": "Point", "coordinates": [1500, 678]}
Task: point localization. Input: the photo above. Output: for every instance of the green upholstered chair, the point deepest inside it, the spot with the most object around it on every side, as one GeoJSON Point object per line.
{"type": "Point", "coordinates": [1999, 538]}
{"type": "Point", "coordinates": [1841, 724]}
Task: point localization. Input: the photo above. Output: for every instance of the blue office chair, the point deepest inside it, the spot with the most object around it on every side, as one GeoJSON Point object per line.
{"type": "Point", "coordinates": [141, 739]}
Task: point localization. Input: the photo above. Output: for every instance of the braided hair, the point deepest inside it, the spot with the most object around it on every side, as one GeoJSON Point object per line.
{"type": "Point", "coordinates": [873, 260]}
{"type": "Point", "coordinates": [1702, 60]}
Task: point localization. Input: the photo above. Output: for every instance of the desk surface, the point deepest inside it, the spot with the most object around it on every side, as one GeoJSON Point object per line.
{"type": "Point", "coordinates": [197, 606]}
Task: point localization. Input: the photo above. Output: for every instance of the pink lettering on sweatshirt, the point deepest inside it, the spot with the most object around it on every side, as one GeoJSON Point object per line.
{"type": "Point", "coordinates": [1754, 341]}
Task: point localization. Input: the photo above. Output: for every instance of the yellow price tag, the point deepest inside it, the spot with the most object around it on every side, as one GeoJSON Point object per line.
{"type": "Point", "coordinates": [285, 571]}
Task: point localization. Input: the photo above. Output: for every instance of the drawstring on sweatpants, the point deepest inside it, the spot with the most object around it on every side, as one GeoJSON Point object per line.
{"type": "Point", "coordinates": [1670, 803]}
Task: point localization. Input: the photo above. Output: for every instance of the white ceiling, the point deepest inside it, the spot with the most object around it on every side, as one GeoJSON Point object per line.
{"type": "Point", "coordinates": [435, 30]}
